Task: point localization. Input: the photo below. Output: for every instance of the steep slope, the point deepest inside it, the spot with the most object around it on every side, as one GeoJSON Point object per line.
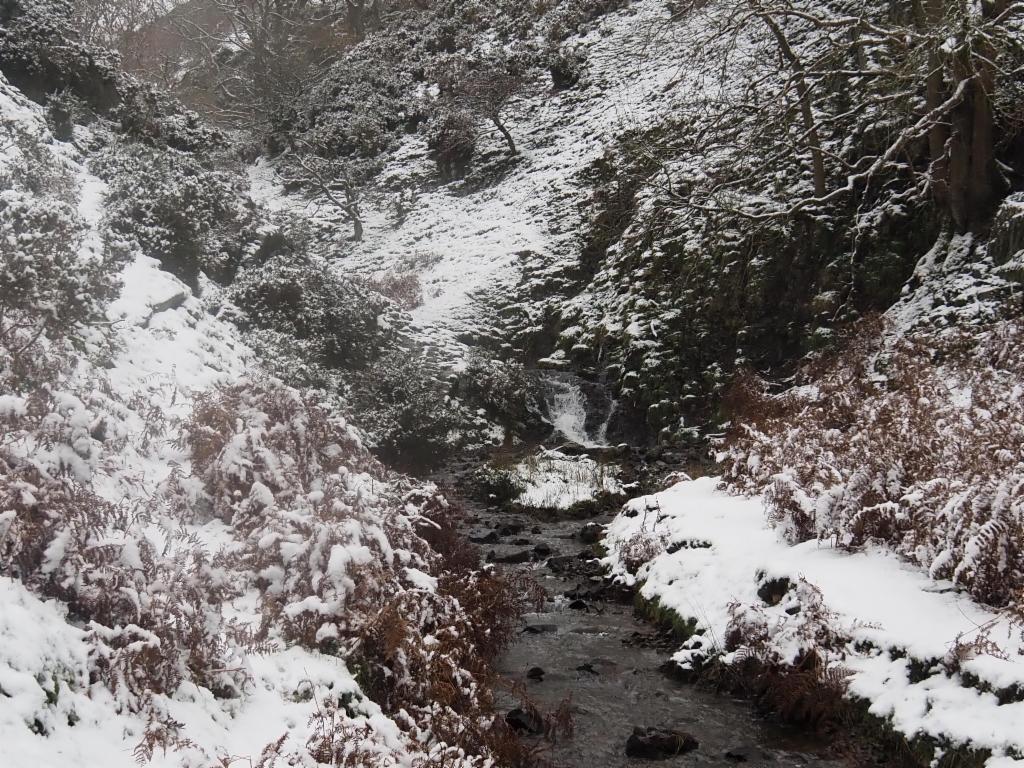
{"type": "Point", "coordinates": [185, 542]}
{"type": "Point", "coordinates": [514, 227]}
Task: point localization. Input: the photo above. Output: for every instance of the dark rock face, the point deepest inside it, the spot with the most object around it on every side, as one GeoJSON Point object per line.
{"type": "Point", "coordinates": [659, 744]}
{"type": "Point", "coordinates": [773, 590]}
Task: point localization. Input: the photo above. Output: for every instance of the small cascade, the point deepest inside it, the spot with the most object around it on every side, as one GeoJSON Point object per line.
{"type": "Point", "coordinates": [570, 411]}
{"type": "Point", "coordinates": [602, 432]}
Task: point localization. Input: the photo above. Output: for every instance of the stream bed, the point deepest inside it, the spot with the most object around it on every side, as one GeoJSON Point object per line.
{"type": "Point", "coordinates": [610, 663]}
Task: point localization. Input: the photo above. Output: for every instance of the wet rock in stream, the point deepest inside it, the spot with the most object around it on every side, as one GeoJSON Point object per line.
{"type": "Point", "coordinates": [540, 629]}
{"type": "Point", "coordinates": [516, 558]}
{"type": "Point", "coordinates": [659, 744]}
{"type": "Point", "coordinates": [525, 722]}
{"type": "Point", "coordinates": [591, 533]}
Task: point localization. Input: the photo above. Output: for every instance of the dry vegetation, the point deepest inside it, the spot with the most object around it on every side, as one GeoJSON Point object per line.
{"type": "Point", "coordinates": [916, 443]}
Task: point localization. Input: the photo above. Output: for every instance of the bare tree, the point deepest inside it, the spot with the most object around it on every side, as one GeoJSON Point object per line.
{"type": "Point", "coordinates": [899, 74]}
{"type": "Point", "coordinates": [330, 180]}
{"type": "Point", "coordinates": [489, 93]}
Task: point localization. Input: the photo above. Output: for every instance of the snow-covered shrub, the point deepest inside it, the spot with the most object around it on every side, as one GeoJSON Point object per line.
{"type": "Point", "coordinates": [570, 16]}
{"type": "Point", "coordinates": [354, 562]}
{"type": "Point", "coordinates": [150, 116]}
{"type": "Point", "coordinates": [339, 323]}
{"type": "Point", "coordinates": [358, 109]}
{"type": "Point", "coordinates": [177, 210]}
{"type": "Point", "coordinates": [263, 433]}
{"type": "Point", "coordinates": [41, 287]}
{"type": "Point", "coordinates": [60, 538]}
{"type": "Point", "coordinates": [49, 289]}
{"type": "Point", "coordinates": [452, 136]}
{"type": "Point", "coordinates": [504, 389]}
{"type": "Point", "coordinates": [792, 664]}
{"type": "Point", "coordinates": [497, 485]}
{"type": "Point", "coordinates": [640, 549]}
{"type": "Point", "coordinates": [410, 419]}
{"type": "Point", "coordinates": [566, 65]}
{"type": "Point", "coordinates": [917, 443]}
{"type": "Point", "coordinates": [403, 288]}
{"type": "Point", "coordinates": [41, 55]}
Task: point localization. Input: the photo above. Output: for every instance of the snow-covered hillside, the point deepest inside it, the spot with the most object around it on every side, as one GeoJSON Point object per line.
{"type": "Point", "coordinates": [218, 344]}
{"type": "Point", "coordinates": [515, 227]}
{"type": "Point", "coordinates": [172, 521]}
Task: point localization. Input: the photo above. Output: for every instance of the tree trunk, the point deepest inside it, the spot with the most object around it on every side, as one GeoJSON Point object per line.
{"type": "Point", "coordinates": [935, 95]}
{"type": "Point", "coordinates": [508, 136]}
{"type": "Point", "coordinates": [806, 108]}
{"type": "Point", "coordinates": [356, 18]}
{"type": "Point", "coordinates": [975, 183]}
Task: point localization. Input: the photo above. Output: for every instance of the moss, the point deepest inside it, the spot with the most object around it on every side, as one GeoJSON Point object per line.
{"type": "Point", "coordinates": [664, 618]}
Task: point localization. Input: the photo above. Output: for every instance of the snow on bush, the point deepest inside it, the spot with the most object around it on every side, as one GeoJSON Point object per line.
{"type": "Point", "coordinates": [41, 55]}
{"type": "Point", "coordinates": [174, 208]}
{"type": "Point", "coordinates": [915, 442]}
{"type": "Point", "coordinates": [406, 409]}
{"type": "Point", "coordinates": [337, 323]}
{"type": "Point", "coordinates": [213, 559]}
{"type": "Point", "coordinates": [49, 288]}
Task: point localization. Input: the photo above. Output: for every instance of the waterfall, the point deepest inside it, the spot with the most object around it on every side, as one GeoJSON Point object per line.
{"type": "Point", "coordinates": [568, 410]}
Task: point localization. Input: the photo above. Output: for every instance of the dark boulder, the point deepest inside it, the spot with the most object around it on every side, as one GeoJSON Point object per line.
{"type": "Point", "coordinates": [591, 533]}
{"type": "Point", "coordinates": [659, 743]}
{"type": "Point", "coordinates": [522, 721]}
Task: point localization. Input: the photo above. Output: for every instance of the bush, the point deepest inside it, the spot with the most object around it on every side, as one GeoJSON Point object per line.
{"type": "Point", "coordinates": [915, 443]}
{"type": "Point", "coordinates": [403, 288]}
{"type": "Point", "coordinates": [64, 541]}
{"type": "Point", "coordinates": [497, 486]}
{"type": "Point", "coordinates": [505, 391]}
{"type": "Point", "coordinates": [150, 116]}
{"type": "Point", "coordinates": [356, 110]}
{"type": "Point", "coordinates": [332, 543]}
{"type": "Point", "coordinates": [40, 54]}
{"type": "Point", "coordinates": [340, 324]}
{"type": "Point", "coordinates": [262, 432]}
{"type": "Point", "coordinates": [177, 210]}
{"type": "Point", "coordinates": [452, 136]}
{"type": "Point", "coordinates": [50, 287]}
{"type": "Point", "coordinates": [566, 66]}
{"type": "Point", "coordinates": [411, 421]}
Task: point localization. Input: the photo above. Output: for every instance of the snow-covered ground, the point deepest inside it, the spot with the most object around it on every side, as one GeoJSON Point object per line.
{"type": "Point", "coordinates": [554, 480]}
{"type": "Point", "coordinates": [128, 412]}
{"type": "Point", "coordinates": [469, 246]}
{"type": "Point", "coordinates": [891, 620]}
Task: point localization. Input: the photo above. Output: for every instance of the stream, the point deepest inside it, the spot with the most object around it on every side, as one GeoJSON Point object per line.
{"type": "Point", "coordinates": [587, 645]}
{"type": "Point", "coordinates": [610, 664]}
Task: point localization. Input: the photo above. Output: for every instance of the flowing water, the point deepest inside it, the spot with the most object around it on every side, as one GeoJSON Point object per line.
{"type": "Point", "coordinates": [594, 651]}
{"type": "Point", "coordinates": [573, 415]}
{"type": "Point", "coordinates": [608, 662]}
